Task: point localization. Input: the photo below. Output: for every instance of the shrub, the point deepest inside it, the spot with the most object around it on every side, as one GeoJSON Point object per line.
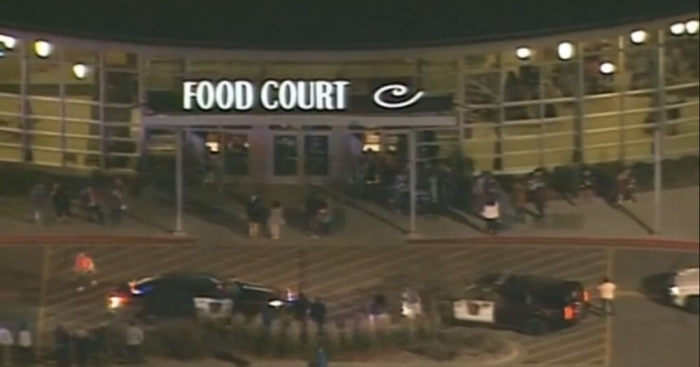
{"type": "Point", "coordinates": [435, 350]}
{"type": "Point", "coordinates": [401, 336]}
{"type": "Point", "coordinates": [181, 339]}
{"type": "Point", "coordinates": [361, 341]}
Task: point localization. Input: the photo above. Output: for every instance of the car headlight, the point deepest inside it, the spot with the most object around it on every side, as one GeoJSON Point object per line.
{"type": "Point", "coordinates": [674, 291]}
{"type": "Point", "coordinates": [276, 303]}
{"type": "Point", "coordinates": [115, 302]}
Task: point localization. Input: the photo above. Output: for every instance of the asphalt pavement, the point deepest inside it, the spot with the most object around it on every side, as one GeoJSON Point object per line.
{"type": "Point", "coordinates": [346, 278]}
{"type": "Point", "coordinates": [643, 333]}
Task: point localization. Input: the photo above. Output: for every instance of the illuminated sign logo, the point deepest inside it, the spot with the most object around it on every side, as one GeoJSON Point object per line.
{"type": "Point", "coordinates": [286, 95]}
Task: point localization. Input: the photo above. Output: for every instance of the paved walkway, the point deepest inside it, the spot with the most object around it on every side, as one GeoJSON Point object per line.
{"type": "Point", "coordinates": [213, 218]}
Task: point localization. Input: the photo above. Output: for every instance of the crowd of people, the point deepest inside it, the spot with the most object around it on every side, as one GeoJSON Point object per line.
{"type": "Point", "coordinates": [261, 218]}
{"type": "Point", "coordinates": [104, 205]}
{"type": "Point", "coordinates": [79, 347]}
{"type": "Point", "coordinates": [439, 187]}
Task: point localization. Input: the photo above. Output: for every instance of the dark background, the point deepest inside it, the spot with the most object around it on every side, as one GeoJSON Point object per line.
{"type": "Point", "coordinates": [279, 24]}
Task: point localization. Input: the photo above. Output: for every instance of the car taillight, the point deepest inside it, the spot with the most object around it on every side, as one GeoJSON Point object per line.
{"type": "Point", "coordinates": [115, 302]}
{"type": "Point", "coordinates": [569, 313]}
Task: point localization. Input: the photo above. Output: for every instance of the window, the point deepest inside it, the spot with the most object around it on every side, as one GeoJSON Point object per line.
{"type": "Point", "coordinates": [286, 152]}
{"type": "Point", "coordinates": [316, 155]}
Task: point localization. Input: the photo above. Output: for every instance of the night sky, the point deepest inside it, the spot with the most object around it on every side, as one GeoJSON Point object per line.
{"type": "Point", "coordinates": [329, 24]}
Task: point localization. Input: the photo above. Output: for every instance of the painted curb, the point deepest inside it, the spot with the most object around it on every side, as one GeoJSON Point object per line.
{"type": "Point", "coordinates": [574, 241]}
{"type": "Point", "coordinates": [93, 240]}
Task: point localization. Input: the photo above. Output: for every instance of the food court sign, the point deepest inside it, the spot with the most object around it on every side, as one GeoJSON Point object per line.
{"type": "Point", "coordinates": [287, 95]}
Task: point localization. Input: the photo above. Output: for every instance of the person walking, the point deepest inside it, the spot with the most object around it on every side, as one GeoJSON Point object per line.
{"type": "Point", "coordinates": [85, 270]}
{"type": "Point", "coordinates": [276, 220]}
{"type": "Point", "coordinates": [117, 206]}
{"type": "Point", "coordinates": [7, 342]}
{"type": "Point", "coordinates": [606, 292]}
{"type": "Point", "coordinates": [253, 212]}
{"type": "Point", "coordinates": [61, 201]}
{"type": "Point", "coordinates": [40, 196]}
{"type": "Point", "coordinates": [25, 346]}
{"type": "Point", "coordinates": [586, 187]}
{"type": "Point", "coordinates": [92, 206]}
{"type": "Point", "coordinates": [62, 344]}
{"type": "Point", "coordinates": [325, 217]}
{"type": "Point", "coordinates": [537, 191]}
{"type": "Point", "coordinates": [626, 185]}
{"type": "Point", "coordinates": [491, 214]}
{"type": "Point", "coordinates": [134, 340]}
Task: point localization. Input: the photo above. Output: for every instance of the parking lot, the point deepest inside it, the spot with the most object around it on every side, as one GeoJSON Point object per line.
{"type": "Point", "coordinates": [345, 277]}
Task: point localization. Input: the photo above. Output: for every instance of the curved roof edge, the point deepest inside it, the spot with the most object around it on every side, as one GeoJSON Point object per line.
{"type": "Point", "coordinates": [165, 48]}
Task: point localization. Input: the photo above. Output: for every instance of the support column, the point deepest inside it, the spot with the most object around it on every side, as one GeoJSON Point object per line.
{"type": "Point", "coordinates": [103, 130]}
{"type": "Point", "coordinates": [24, 107]}
{"type": "Point", "coordinates": [659, 130]}
{"type": "Point", "coordinates": [541, 157]}
{"type": "Point", "coordinates": [621, 61]}
{"type": "Point", "coordinates": [498, 146]}
{"type": "Point", "coordinates": [62, 94]}
{"type": "Point", "coordinates": [579, 120]}
{"type": "Point", "coordinates": [460, 99]}
{"type": "Point", "coordinates": [413, 176]}
{"type": "Point", "coordinates": [179, 205]}
{"type": "Point", "coordinates": [142, 103]}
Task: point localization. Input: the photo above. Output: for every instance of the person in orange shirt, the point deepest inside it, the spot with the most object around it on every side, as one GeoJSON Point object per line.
{"type": "Point", "coordinates": [84, 268]}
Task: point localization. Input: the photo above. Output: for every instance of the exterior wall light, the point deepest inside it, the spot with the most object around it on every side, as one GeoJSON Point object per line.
{"type": "Point", "coordinates": [8, 41]}
{"type": "Point", "coordinates": [607, 68]}
{"type": "Point", "coordinates": [43, 48]}
{"type": "Point", "coordinates": [523, 53]}
{"type": "Point", "coordinates": [638, 36]}
{"type": "Point", "coordinates": [565, 50]}
{"type": "Point", "coordinates": [677, 28]}
{"type": "Point", "coordinates": [80, 70]}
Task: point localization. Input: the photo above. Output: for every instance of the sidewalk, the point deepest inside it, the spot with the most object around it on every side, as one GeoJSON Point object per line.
{"type": "Point", "coordinates": [219, 219]}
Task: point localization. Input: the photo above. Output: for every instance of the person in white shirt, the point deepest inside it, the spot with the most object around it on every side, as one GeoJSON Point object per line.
{"type": "Point", "coordinates": [491, 213]}
{"type": "Point", "coordinates": [606, 292]}
{"type": "Point", "coordinates": [6, 344]}
{"type": "Point", "coordinates": [134, 339]}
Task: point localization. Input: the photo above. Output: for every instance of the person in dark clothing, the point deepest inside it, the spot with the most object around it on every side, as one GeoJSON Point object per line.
{"type": "Point", "coordinates": [519, 200]}
{"type": "Point", "coordinates": [82, 348]}
{"type": "Point", "coordinates": [626, 185]}
{"type": "Point", "coordinates": [262, 212]}
{"type": "Point", "coordinates": [93, 208]}
{"type": "Point", "coordinates": [301, 307]}
{"type": "Point", "coordinates": [117, 206]}
{"type": "Point", "coordinates": [537, 191]}
{"type": "Point", "coordinates": [300, 310]}
{"type": "Point", "coordinates": [586, 187]}
{"type": "Point", "coordinates": [100, 346]}
{"type": "Point", "coordinates": [61, 201]}
{"type": "Point", "coordinates": [317, 313]}
{"type": "Point", "coordinates": [267, 317]}
{"type": "Point", "coordinates": [253, 214]}
{"type": "Point", "coordinates": [313, 205]}
{"type": "Point", "coordinates": [63, 347]}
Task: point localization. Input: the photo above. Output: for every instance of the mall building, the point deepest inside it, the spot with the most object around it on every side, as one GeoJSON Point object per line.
{"type": "Point", "coordinates": [510, 104]}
